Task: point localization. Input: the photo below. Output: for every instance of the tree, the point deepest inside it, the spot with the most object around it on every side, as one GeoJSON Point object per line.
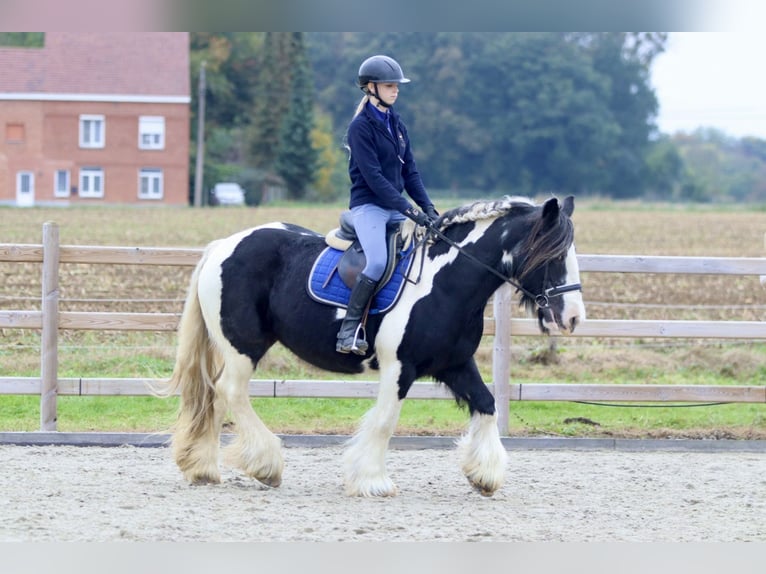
{"type": "Point", "coordinates": [522, 112]}
{"type": "Point", "coordinates": [721, 168]}
{"type": "Point", "coordinates": [665, 170]}
{"type": "Point", "coordinates": [544, 110]}
{"type": "Point", "coordinates": [332, 163]}
{"type": "Point", "coordinates": [625, 60]}
{"type": "Point", "coordinates": [23, 39]}
{"type": "Point", "coordinates": [270, 103]}
{"type": "Point", "coordinates": [231, 74]}
{"type": "Point", "coordinates": [296, 158]}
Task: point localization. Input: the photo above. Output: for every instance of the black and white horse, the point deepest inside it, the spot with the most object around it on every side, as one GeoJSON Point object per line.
{"type": "Point", "coordinates": [249, 291]}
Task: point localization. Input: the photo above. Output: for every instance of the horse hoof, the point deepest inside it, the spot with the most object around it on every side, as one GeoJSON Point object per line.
{"type": "Point", "coordinates": [272, 481]}
{"type": "Point", "coordinates": [482, 489]}
{"type": "Point", "coordinates": [381, 489]}
{"type": "Point", "coordinates": [204, 479]}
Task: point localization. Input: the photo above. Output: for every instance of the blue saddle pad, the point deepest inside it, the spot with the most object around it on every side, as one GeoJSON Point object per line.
{"type": "Point", "coordinates": [335, 292]}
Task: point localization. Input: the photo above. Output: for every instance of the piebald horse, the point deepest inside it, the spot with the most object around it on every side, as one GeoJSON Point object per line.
{"type": "Point", "coordinates": [249, 291]}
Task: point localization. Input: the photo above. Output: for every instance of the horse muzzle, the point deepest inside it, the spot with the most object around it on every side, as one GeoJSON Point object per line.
{"type": "Point", "coordinates": [566, 320]}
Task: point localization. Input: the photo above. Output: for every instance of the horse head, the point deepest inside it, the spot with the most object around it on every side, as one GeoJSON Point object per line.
{"type": "Point", "coordinates": [545, 266]}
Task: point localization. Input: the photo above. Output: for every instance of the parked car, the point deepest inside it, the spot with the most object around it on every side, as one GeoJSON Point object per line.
{"type": "Point", "coordinates": [227, 194]}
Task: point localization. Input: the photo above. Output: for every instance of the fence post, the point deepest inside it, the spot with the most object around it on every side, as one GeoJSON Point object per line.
{"type": "Point", "coordinates": [763, 277]}
{"type": "Point", "coordinates": [501, 356]}
{"type": "Point", "coordinates": [50, 328]}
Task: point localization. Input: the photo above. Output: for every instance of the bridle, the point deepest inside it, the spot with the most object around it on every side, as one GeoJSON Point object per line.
{"type": "Point", "coordinates": [542, 300]}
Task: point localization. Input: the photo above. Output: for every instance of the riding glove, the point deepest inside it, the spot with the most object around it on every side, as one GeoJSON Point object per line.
{"type": "Point", "coordinates": [419, 217]}
{"type": "Point", "coordinates": [432, 213]}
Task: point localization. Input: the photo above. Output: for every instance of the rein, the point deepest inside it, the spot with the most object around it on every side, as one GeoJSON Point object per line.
{"type": "Point", "coordinates": [542, 300]}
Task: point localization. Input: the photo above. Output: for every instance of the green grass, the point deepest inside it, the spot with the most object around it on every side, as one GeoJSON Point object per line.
{"type": "Point", "coordinates": [419, 417]}
{"type": "Point", "coordinates": [147, 355]}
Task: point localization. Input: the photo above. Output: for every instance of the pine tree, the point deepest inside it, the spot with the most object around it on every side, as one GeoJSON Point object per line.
{"type": "Point", "coordinates": [270, 101]}
{"type": "Point", "coordinates": [296, 159]}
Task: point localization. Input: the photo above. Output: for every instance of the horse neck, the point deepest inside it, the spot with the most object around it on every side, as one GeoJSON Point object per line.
{"type": "Point", "coordinates": [470, 283]}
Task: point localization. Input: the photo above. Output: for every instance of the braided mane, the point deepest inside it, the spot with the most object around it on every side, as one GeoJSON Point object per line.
{"type": "Point", "coordinates": [480, 210]}
{"type": "Point", "coordinates": [540, 246]}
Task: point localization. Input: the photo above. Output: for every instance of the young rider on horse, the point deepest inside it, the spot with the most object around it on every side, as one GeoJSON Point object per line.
{"type": "Point", "coordinates": [381, 166]}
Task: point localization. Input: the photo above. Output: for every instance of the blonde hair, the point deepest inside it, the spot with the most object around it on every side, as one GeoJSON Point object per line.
{"type": "Point", "coordinates": [362, 103]}
{"type": "Point", "coordinates": [359, 108]}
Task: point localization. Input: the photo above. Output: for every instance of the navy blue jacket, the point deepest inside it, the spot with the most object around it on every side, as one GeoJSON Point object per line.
{"type": "Point", "coordinates": [381, 165]}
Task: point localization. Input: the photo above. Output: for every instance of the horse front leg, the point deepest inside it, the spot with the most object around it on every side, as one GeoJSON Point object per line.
{"type": "Point", "coordinates": [364, 460]}
{"type": "Point", "coordinates": [482, 454]}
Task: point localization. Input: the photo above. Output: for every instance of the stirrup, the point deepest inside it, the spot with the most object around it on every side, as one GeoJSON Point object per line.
{"type": "Point", "coordinates": [358, 345]}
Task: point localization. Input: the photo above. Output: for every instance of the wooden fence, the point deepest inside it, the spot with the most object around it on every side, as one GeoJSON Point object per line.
{"type": "Point", "coordinates": [50, 321]}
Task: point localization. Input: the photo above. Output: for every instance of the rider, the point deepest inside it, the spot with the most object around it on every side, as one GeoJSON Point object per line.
{"type": "Point", "coordinates": [381, 166]}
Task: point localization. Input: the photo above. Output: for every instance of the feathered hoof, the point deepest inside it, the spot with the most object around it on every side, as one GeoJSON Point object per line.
{"type": "Point", "coordinates": [266, 470]}
{"type": "Point", "coordinates": [261, 460]}
{"type": "Point", "coordinates": [272, 481]}
{"type": "Point", "coordinates": [485, 483]}
{"type": "Point", "coordinates": [372, 488]}
{"type": "Point", "coordinates": [202, 479]}
{"type": "Point", "coordinates": [482, 489]}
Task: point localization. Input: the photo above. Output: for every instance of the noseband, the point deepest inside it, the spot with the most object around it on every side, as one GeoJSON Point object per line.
{"type": "Point", "coordinates": [542, 300]}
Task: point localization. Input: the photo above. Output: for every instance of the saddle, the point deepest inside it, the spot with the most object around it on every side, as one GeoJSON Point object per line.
{"type": "Point", "coordinates": [334, 272]}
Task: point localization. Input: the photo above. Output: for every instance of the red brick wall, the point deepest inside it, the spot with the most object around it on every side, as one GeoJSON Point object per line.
{"type": "Point", "coordinates": [52, 142]}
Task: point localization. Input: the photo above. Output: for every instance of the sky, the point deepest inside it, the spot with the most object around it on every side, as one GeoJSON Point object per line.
{"type": "Point", "coordinates": [712, 79]}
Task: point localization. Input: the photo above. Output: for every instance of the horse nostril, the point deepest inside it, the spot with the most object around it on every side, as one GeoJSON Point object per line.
{"type": "Point", "coordinates": [573, 323]}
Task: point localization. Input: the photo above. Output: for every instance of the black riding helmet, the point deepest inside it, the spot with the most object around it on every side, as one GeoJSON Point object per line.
{"type": "Point", "coordinates": [380, 70]}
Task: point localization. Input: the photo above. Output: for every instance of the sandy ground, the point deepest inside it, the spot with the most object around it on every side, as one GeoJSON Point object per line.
{"type": "Point", "coordinates": [66, 493]}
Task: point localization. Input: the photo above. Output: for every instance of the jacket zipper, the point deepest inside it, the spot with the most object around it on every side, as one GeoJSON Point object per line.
{"type": "Point", "coordinates": [378, 126]}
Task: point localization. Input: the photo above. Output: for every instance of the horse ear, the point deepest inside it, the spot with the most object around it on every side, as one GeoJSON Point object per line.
{"type": "Point", "coordinates": [551, 209]}
{"type": "Point", "coordinates": [568, 206]}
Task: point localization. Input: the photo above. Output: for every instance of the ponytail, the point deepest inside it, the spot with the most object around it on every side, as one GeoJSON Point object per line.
{"type": "Point", "coordinates": [362, 103]}
{"type": "Point", "coordinates": [359, 108]}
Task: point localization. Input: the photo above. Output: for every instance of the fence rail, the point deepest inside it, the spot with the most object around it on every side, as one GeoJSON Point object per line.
{"type": "Point", "coordinates": [50, 321]}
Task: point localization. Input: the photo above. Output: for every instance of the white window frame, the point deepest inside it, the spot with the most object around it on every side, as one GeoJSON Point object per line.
{"type": "Point", "coordinates": [88, 138]}
{"type": "Point", "coordinates": [66, 190]}
{"type": "Point", "coordinates": [152, 177]}
{"type": "Point", "coordinates": [91, 175]}
{"type": "Point", "coordinates": [151, 132]}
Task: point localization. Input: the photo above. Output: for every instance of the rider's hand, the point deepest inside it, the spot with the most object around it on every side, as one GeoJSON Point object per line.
{"type": "Point", "coordinates": [432, 213]}
{"type": "Point", "coordinates": [419, 217]}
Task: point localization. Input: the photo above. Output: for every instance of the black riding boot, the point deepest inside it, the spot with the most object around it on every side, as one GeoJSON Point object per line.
{"type": "Point", "coordinates": [351, 334]}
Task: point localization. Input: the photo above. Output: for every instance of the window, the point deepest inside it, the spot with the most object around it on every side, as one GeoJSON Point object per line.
{"type": "Point", "coordinates": [150, 184]}
{"type": "Point", "coordinates": [92, 131]}
{"type": "Point", "coordinates": [91, 182]}
{"type": "Point", "coordinates": [151, 132]}
{"type": "Point", "coordinates": [14, 133]}
{"type": "Point", "coordinates": [25, 181]}
{"type": "Point", "coordinates": [61, 180]}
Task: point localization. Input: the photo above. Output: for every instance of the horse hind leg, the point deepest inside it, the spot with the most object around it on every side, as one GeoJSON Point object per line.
{"type": "Point", "coordinates": [254, 449]}
{"type": "Point", "coordinates": [195, 443]}
{"type": "Point", "coordinates": [196, 435]}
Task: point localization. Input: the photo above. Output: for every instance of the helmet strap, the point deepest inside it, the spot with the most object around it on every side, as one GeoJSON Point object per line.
{"type": "Point", "coordinates": [377, 96]}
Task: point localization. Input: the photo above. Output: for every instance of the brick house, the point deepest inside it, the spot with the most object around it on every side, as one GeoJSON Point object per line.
{"type": "Point", "coordinates": [96, 118]}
